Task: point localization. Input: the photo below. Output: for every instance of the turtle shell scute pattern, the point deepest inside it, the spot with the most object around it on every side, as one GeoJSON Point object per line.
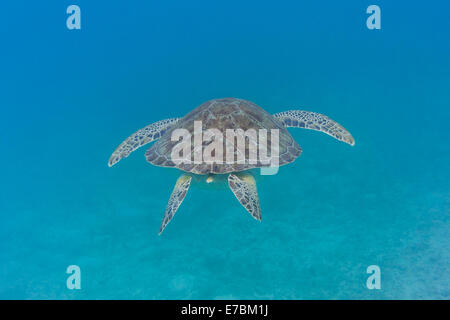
{"type": "Point", "coordinates": [222, 114]}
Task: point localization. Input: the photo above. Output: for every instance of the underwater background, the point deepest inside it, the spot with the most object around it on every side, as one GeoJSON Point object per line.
{"type": "Point", "coordinates": [69, 97]}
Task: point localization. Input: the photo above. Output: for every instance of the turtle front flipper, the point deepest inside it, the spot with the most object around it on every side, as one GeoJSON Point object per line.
{"type": "Point", "coordinates": [315, 121]}
{"type": "Point", "coordinates": [243, 186]}
{"type": "Point", "coordinates": [176, 198]}
{"type": "Point", "coordinates": [141, 137]}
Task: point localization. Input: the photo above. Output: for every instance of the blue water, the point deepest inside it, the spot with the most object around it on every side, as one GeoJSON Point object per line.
{"type": "Point", "coordinates": [69, 97]}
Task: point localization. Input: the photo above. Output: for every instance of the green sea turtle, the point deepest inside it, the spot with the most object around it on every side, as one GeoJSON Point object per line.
{"type": "Point", "coordinates": [223, 114]}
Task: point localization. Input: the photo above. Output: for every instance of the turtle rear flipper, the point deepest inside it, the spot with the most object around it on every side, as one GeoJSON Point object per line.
{"type": "Point", "coordinates": [315, 121]}
{"type": "Point", "coordinates": [176, 198]}
{"type": "Point", "coordinates": [140, 138]}
{"type": "Point", "coordinates": [243, 186]}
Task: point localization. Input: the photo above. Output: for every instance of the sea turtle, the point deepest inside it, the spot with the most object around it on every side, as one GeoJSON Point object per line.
{"type": "Point", "coordinates": [223, 114]}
